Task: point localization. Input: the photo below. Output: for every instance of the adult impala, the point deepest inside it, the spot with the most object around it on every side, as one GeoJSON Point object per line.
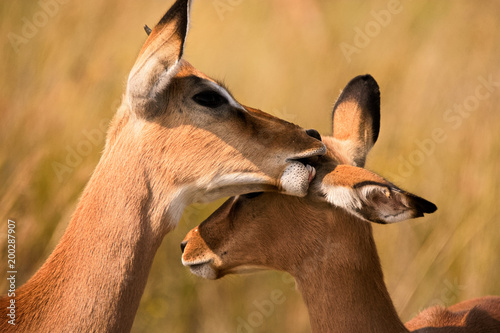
{"type": "Point", "coordinates": [178, 137]}
{"type": "Point", "coordinates": [324, 240]}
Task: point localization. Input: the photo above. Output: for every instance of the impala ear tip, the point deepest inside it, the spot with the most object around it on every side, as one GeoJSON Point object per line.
{"type": "Point", "coordinates": [179, 10]}
{"type": "Point", "coordinates": [425, 206]}
{"type": "Point", "coordinates": [430, 207]}
{"type": "Point", "coordinates": [419, 204]}
{"type": "Point", "coordinates": [364, 82]}
{"type": "Point", "coordinates": [147, 29]}
{"type": "Point", "coordinates": [367, 78]}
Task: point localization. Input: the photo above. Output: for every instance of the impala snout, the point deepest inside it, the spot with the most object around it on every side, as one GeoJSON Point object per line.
{"type": "Point", "coordinates": [197, 256]}
{"type": "Point", "coordinates": [315, 148]}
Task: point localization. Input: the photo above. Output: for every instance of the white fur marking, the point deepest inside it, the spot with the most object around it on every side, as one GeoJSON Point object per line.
{"type": "Point", "coordinates": [343, 197]}
{"type": "Point", "coordinates": [226, 94]}
{"type": "Point", "coordinates": [178, 202]}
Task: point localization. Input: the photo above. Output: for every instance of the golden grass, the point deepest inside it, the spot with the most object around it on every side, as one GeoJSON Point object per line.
{"type": "Point", "coordinates": [283, 57]}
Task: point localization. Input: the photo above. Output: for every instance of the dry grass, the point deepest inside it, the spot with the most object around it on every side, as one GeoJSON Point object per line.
{"type": "Point", "coordinates": [283, 57]}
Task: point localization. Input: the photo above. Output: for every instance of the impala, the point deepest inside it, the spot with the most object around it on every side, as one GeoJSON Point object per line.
{"type": "Point", "coordinates": [178, 137]}
{"type": "Point", "coordinates": [324, 241]}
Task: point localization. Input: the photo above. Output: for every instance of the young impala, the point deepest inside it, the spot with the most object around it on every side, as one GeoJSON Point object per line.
{"type": "Point", "coordinates": [179, 137]}
{"type": "Point", "coordinates": [324, 241]}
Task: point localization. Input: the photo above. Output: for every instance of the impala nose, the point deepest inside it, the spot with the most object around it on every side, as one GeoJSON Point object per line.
{"type": "Point", "coordinates": [313, 133]}
{"type": "Point", "coordinates": [183, 246]}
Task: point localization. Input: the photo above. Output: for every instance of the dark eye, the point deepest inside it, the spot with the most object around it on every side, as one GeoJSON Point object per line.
{"type": "Point", "coordinates": [209, 99]}
{"type": "Point", "coordinates": [252, 195]}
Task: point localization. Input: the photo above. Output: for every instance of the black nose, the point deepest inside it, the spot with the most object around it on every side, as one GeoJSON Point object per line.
{"type": "Point", "coordinates": [183, 246]}
{"type": "Point", "coordinates": [313, 133]}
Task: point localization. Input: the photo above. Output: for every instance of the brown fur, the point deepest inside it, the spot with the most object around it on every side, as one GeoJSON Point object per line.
{"type": "Point", "coordinates": [163, 152]}
{"type": "Point", "coordinates": [475, 315]}
{"type": "Point", "coordinates": [330, 252]}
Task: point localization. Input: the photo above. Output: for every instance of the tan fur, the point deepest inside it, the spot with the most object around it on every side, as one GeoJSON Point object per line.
{"type": "Point", "coordinates": [163, 152]}
{"type": "Point", "coordinates": [332, 256]}
{"type": "Point", "coordinates": [346, 175]}
{"type": "Point", "coordinates": [328, 250]}
{"type": "Point", "coordinates": [345, 124]}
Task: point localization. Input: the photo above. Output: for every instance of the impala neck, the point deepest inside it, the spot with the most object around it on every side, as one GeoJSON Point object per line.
{"type": "Point", "coordinates": [94, 279]}
{"type": "Point", "coordinates": [343, 287]}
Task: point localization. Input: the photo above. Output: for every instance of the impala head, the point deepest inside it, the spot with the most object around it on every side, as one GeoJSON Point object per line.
{"type": "Point", "coordinates": [277, 231]}
{"type": "Point", "coordinates": [188, 131]}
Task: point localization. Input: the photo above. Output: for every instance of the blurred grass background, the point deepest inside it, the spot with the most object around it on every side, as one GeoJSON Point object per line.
{"type": "Point", "coordinates": [283, 57]}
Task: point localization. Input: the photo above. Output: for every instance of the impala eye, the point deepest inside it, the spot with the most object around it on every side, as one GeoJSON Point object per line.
{"type": "Point", "coordinates": [210, 99]}
{"type": "Point", "coordinates": [252, 195]}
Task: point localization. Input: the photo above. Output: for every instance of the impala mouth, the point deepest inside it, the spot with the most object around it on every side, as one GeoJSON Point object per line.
{"type": "Point", "coordinates": [202, 268]}
{"type": "Point", "coordinates": [197, 267]}
{"type": "Point", "coordinates": [296, 178]}
{"type": "Point", "coordinates": [312, 172]}
{"type": "Point", "coordinates": [197, 263]}
{"type": "Point", "coordinates": [308, 159]}
{"type": "Point", "coordinates": [310, 156]}
{"type": "Point", "coordinates": [299, 173]}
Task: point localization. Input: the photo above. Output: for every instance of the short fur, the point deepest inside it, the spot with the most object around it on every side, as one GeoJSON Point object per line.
{"type": "Point", "coordinates": [330, 250]}
{"type": "Point", "coordinates": [163, 151]}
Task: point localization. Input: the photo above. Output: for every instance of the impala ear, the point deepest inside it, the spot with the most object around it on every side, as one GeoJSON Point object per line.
{"type": "Point", "coordinates": [158, 61]}
{"type": "Point", "coordinates": [356, 117]}
{"type": "Point", "coordinates": [371, 197]}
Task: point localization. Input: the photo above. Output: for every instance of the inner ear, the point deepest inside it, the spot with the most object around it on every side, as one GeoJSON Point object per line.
{"type": "Point", "coordinates": [385, 203]}
{"type": "Point", "coordinates": [158, 61]}
{"type": "Point", "coordinates": [356, 117]}
{"type": "Point", "coordinates": [371, 197]}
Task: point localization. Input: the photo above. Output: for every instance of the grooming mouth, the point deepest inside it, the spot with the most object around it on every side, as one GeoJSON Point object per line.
{"type": "Point", "coordinates": [307, 160]}
{"type": "Point", "coordinates": [296, 178]}
{"type": "Point", "coordinates": [312, 172]}
{"type": "Point", "coordinates": [309, 156]}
